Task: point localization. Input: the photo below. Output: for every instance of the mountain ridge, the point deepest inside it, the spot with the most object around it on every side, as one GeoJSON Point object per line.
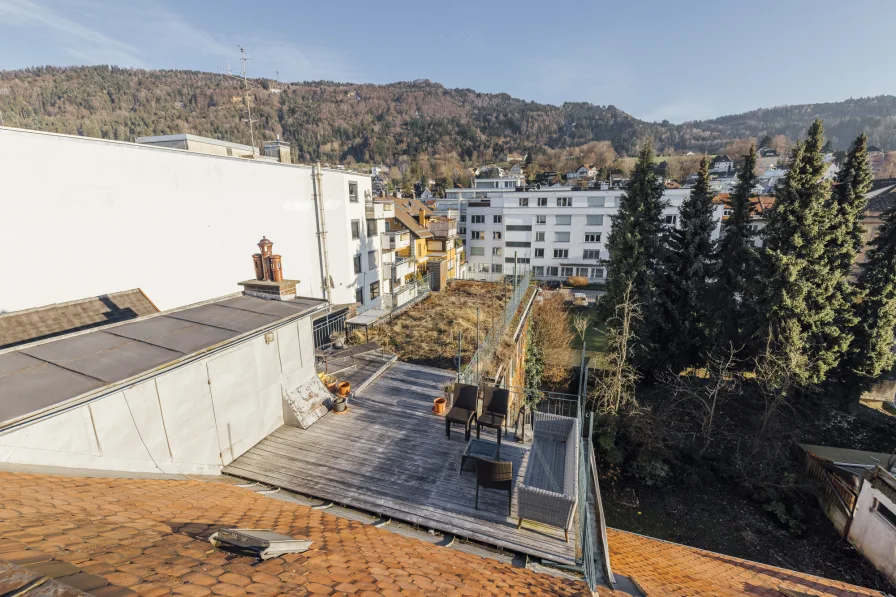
{"type": "Point", "coordinates": [389, 123]}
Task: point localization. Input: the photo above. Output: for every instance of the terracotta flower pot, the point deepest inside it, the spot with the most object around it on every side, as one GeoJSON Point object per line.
{"type": "Point", "coordinates": [332, 387]}
{"type": "Point", "coordinates": [439, 406]}
{"type": "Point", "coordinates": [343, 388]}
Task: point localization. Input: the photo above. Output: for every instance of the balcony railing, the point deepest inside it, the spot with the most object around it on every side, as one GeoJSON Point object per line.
{"type": "Point", "coordinates": [377, 210]}
{"type": "Point", "coordinates": [397, 270]}
{"type": "Point", "coordinates": [395, 240]}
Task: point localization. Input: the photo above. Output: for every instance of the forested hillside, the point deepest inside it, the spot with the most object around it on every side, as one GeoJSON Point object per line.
{"type": "Point", "coordinates": [394, 123]}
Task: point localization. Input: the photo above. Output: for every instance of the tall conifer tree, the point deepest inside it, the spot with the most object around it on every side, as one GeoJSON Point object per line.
{"type": "Point", "coordinates": [734, 288]}
{"type": "Point", "coordinates": [635, 247]}
{"type": "Point", "coordinates": [684, 293]}
{"type": "Point", "coordinates": [871, 352]}
{"type": "Point", "coordinates": [801, 296]}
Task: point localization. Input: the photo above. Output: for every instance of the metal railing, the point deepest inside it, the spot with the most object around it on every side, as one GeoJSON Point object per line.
{"type": "Point", "coordinates": [323, 327]}
{"type": "Point", "coordinates": [473, 371]}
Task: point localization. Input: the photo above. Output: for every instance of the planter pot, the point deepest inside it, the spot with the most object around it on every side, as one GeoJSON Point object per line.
{"type": "Point", "coordinates": [332, 387]}
{"type": "Point", "coordinates": [439, 406]}
{"type": "Point", "coordinates": [343, 388]}
{"type": "Point", "coordinates": [339, 404]}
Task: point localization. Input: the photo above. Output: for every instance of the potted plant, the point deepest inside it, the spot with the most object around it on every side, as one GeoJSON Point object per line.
{"type": "Point", "coordinates": [339, 404]}
{"type": "Point", "coordinates": [337, 339]}
{"type": "Point", "coordinates": [448, 388]}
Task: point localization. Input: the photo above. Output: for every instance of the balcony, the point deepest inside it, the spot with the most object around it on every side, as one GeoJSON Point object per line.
{"type": "Point", "coordinates": [399, 268]}
{"type": "Point", "coordinates": [395, 240]}
{"type": "Point", "coordinates": [379, 210]}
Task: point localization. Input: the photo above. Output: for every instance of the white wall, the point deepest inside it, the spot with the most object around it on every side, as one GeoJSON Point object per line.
{"type": "Point", "coordinates": [193, 419]}
{"type": "Point", "coordinates": [871, 534]}
{"type": "Point", "coordinates": [83, 217]}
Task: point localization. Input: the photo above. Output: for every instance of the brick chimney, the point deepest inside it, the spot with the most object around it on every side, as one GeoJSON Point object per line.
{"type": "Point", "coordinates": [269, 282]}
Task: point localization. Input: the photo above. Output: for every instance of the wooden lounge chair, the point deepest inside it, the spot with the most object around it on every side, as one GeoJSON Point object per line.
{"type": "Point", "coordinates": [464, 406]}
{"type": "Point", "coordinates": [494, 415]}
{"type": "Point", "coordinates": [494, 474]}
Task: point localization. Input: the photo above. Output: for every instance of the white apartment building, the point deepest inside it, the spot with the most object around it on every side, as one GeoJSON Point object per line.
{"type": "Point", "coordinates": [556, 233]}
{"type": "Point", "coordinates": [86, 217]}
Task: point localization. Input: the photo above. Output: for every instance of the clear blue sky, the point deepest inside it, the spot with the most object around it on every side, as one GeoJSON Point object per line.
{"type": "Point", "coordinates": [676, 60]}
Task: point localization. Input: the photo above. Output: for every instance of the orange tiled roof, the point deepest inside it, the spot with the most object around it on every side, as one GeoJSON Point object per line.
{"type": "Point", "coordinates": [674, 570]}
{"type": "Point", "coordinates": [150, 537]}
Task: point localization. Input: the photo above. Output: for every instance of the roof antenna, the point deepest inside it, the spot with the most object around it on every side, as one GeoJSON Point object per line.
{"type": "Point", "coordinates": [246, 88]}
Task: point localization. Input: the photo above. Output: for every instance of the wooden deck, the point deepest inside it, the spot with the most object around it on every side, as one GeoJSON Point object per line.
{"type": "Point", "coordinates": [389, 455]}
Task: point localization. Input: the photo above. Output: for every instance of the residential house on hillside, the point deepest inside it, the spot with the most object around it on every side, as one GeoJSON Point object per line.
{"type": "Point", "coordinates": [434, 247]}
{"type": "Point", "coordinates": [721, 164]}
{"type": "Point", "coordinates": [515, 157]}
{"type": "Point", "coordinates": [881, 199]}
{"type": "Point", "coordinates": [516, 171]}
{"type": "Point", "coordinates": [583, 172]}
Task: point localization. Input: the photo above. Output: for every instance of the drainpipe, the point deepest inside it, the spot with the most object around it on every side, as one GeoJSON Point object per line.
{"type": "Point", "coordinates": [321, 221]}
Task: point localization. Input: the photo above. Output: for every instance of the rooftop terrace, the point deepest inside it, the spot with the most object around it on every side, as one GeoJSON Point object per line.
{"type": "Point", "coordinates": [389, 455]}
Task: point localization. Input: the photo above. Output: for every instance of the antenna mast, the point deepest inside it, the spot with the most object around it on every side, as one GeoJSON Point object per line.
{"type": "Point", "coordinates": [243, 61]}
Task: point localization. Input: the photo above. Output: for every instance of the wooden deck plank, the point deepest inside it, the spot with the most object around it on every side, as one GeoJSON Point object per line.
{"type": "Point", "coordinates": [389, 455]}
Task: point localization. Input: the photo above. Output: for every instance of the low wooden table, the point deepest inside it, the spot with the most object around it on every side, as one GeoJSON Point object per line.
{"type": "Point", "coordinates": [479, 448]}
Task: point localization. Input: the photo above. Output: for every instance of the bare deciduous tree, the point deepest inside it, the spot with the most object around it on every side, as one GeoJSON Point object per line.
{"type": "Point", "coordinates": [615, 391]}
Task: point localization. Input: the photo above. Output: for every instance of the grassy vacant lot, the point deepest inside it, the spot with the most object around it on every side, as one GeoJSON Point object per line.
{"type": "Point", "coordinates": [427, 333]}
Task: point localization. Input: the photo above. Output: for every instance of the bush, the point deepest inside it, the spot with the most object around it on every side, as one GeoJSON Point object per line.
{"type": "Point", "coordinates": [651, 473]}
{"type": "Point", "coordinates": [576, 281]}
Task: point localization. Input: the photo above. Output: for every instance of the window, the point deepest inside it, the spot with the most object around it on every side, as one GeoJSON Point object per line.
{"type": "Point", "coordinates": [563, 220]}
{"type": "Point", "coordinates": [497, 219]}
{"type": "Point", "coordinates": [497, 251]}
{"type": "Point", "coordinates": [371, 260]}
{"type": "Point", "coordinates": [727, 211]}
{"type": "Point", "coordinates": [462, 230]}
{"type": "Point", "coordinates": [542, 202]}
{"type": "Point", "coordinates": [359, 295]}
{"type": "Point", "coordinates": [592, 237]}
{"type": "Point", "coordinates": [566, 272]}
{"type": "Point", "coordinates": [582, 271]}
{"type": "Point", "coordinates": [595, 202]}
{"type": "Point", "coordinates": [374, 290]}
{"type": "Point", "coordinates": [496, 235]}
{"type": "Point", "coordinates": [450, 264]}
{"type": "Point", "coordinates": [594, 220]}
{"type": "Point", "coordinates": [671, 220]}
{"type": "Point", "coordinates": [753, 227]}
{"type": "Point", "coordinates": [539, 252]}
{"type": "Point", "coordinates": [564, 201]}
{"type": "Point", "coordinates": [541, 219]}
{"type": "Point", "coordinates": [518, 243]}
{"type": "Point", "coordinates": [561, 237]}
{"type": "Point", "coordinates": [538, 270]}
{"type": "Point", "coordinates": [372, 228]}
{"type": "Point", "coordinates": [561, 253]}
{"type": "Point", "coordinates": [353, 192]}
{"type": "Point", "coordinates": [524, 202]}
{"type": "Point", "coordinates": [551, 271]}
{"type": "Point", "coordinates": [357, 262]}
{"type": "Point", "coordinates": [539, 237]}
{"type": "Point", "coordinates": [591, 254]}
{"type": "Point", "coordinates": [463, 217]}
{"type": "Point", "coordinates": [597, 273]}
{"type": "Point", "coordinates": [480, 219]}
{"type": "Point", "coordinates": [497, 268]}
{"type": "Point", "coordinates": [516, 260]}
{"type": "Point", "coordinates": [477, 251]}
{"type": "Point", "coordinates": [517, 228]}
{"type": "Point", "coordinates": [356, 229]}
{"type": "Point", "coordinates": [476, 234]}
{"type": "Point", "coordinates": [885, 512]}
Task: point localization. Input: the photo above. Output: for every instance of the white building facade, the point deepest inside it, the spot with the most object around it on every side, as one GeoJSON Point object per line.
{"type": "Point", "coordinates": [85, 217]}
{"type": "Point", "coordinates": [873, 528]}
{"type": "Point", "coordinates": [555, 233]}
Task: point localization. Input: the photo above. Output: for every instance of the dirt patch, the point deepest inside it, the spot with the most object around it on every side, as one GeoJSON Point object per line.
{"type": "Point", "coordinates": [427, 333]}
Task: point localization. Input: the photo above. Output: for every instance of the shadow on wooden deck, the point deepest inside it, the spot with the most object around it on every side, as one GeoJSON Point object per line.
{"type": "Point", "coordinates": [388, 454]}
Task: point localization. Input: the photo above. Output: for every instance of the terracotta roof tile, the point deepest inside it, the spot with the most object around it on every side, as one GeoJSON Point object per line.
{"type": "Point", "coordinates": [150, 537]}
{"type": "Point", "coordinates": [673, 570]}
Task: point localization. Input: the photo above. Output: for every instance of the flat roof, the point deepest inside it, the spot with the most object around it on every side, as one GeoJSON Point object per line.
{"type": "Point", "coordinates": [847, 456]}
{"type": "Point", "coordinates": [38, 377]}
{"type": "Point", "coordinates": [198, 139]}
